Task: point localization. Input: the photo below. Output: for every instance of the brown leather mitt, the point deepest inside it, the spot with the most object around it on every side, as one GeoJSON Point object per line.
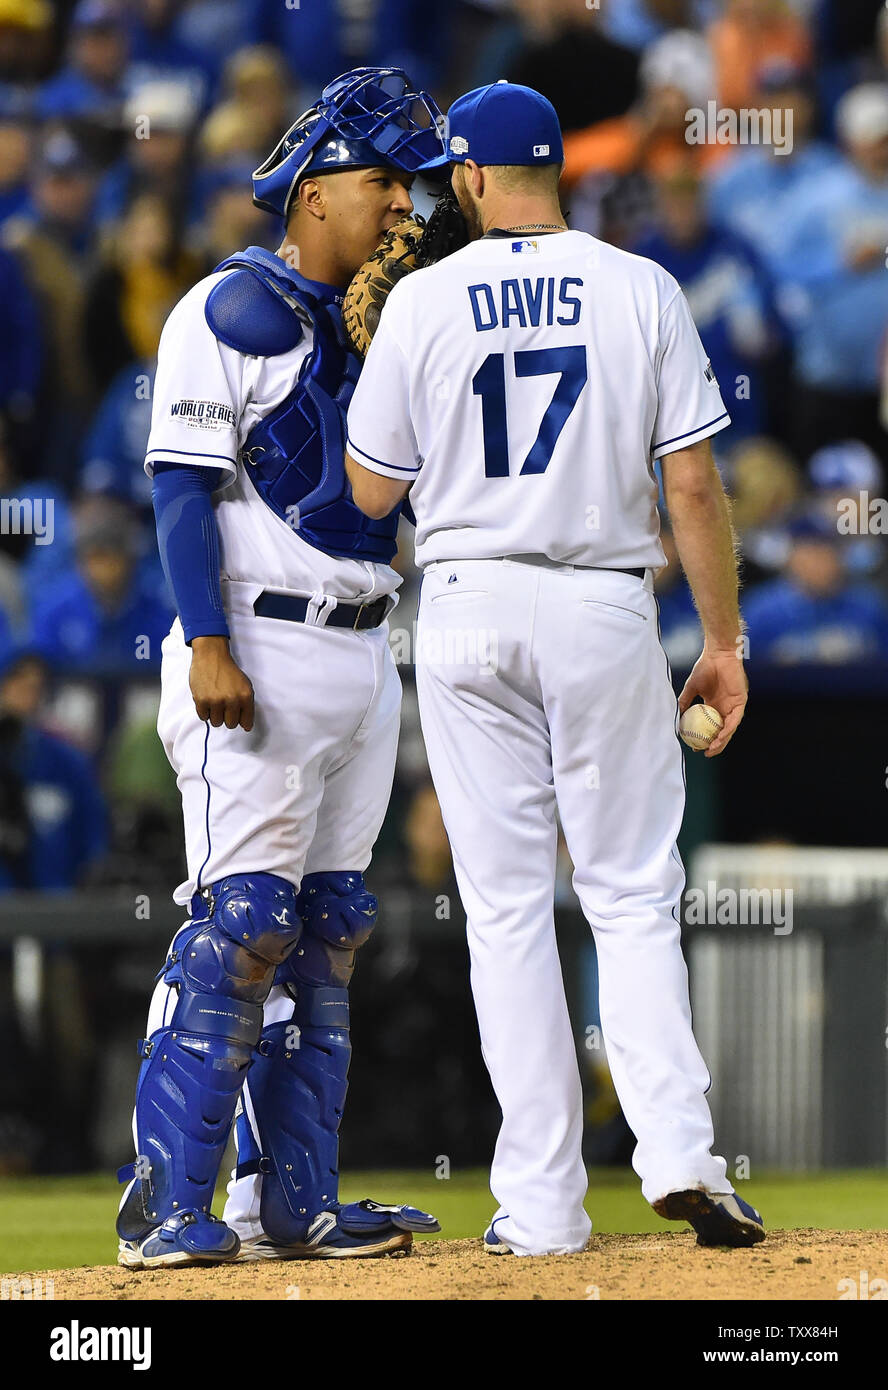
{"type": "Point", "coordinates": [370, 287]}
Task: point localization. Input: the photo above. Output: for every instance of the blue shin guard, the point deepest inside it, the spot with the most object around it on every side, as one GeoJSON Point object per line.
{"type": "Point", "coordinates": [222, 965]}
{"type": "Point", "coordinates": [300, 1074]}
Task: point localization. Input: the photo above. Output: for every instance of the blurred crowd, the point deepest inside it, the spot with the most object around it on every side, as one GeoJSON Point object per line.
{"type": "Point", "coordinates": [128, 132]}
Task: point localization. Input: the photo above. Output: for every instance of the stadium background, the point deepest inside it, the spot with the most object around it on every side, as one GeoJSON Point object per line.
{"type": "Point", "coordinates": [783, 260]}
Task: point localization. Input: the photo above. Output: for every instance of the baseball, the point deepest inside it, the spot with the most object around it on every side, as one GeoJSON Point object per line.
{"type": "Point", "coordinates": [699, 725]}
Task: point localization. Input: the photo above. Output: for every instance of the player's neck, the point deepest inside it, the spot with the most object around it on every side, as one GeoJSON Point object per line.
{"type": "Point", "coordinates": [313, 262]}
{"type": "Point", "coordinates": [524, 213]}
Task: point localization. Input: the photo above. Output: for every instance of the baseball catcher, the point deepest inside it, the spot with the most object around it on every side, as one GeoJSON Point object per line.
{"type": "Point", "coordinates": [279, 706]}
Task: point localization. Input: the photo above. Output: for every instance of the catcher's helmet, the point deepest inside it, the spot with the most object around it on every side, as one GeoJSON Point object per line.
{"type": "Point", "coordinates": [366, 117]}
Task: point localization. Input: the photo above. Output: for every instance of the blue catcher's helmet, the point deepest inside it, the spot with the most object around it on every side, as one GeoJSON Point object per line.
{"type": "Point", "coordinates": [366, 117]}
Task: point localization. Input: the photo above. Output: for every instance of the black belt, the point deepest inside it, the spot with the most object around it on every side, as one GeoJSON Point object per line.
{"type": "Point", "coordinates": [544, 560]}
{"type": "Point", "coordinates": [291, 609]}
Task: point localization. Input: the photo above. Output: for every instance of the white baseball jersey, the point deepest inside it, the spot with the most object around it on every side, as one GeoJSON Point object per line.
{"type": "Point", "coordinates": [207, 398]}
{"type": "Point", "coordinates": [525, 386]}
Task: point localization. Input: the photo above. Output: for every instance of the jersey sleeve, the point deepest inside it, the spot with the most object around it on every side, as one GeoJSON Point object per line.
{"type": "Point", "coordinates": [380, 430]}
{"type": "Point", "coordinates": [690, 407]}
{"type": "Point", "coordinates": [197, 393]}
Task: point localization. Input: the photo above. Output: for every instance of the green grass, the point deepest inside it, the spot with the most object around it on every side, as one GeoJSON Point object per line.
{"type": "Point", "coordinates": [59, 1223]}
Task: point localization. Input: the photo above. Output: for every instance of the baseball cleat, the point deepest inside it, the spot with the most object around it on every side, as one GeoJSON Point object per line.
{"type": "Point", "coordinates": [719, 1218]}
{"type": "Point", "coordinates": [493, 1245]}
{"type": "Point", "coordinates": [357, 1230]}
{"type": "Point", "coordinates": [189, 1238]}
{"type": "Point", "coordinates": [325, 1242]}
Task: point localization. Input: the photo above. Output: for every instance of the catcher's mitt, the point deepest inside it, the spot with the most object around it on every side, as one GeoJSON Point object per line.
{"type": "Point", "coordinates": [410, 245]}
{"type": "Point", "coordinates": [446, 231]}
{"type": "Point", "coordinates": [394, 258]}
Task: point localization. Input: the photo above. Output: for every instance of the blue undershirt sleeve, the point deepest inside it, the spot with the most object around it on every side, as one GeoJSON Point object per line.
{"type": "Point", "coordinates": [188, 540]}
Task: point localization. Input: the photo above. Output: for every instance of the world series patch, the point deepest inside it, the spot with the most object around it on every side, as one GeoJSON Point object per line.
{"type": "Point", "coordinates": [204, 415]}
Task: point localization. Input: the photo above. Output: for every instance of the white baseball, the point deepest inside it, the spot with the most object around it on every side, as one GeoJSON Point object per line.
{"type": "Point", "coordinates": [699, 725]}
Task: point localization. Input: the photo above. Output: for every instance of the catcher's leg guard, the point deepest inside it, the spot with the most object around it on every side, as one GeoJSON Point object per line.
{"type": "Point", "coordinates": [222, 965]}
{"type": "Point", "coordinates": [299, 1076]}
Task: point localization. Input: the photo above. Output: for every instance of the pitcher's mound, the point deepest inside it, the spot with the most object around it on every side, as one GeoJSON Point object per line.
{"type": "Point", "coordinates": [805, 1264]}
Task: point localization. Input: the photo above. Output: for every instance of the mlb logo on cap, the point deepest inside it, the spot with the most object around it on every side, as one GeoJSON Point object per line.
{"type": "Point", "coordinates": [504, 123]}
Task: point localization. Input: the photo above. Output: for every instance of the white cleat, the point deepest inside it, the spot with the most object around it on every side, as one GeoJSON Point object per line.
{"type": "Point", "coordinates": [493, 1245]}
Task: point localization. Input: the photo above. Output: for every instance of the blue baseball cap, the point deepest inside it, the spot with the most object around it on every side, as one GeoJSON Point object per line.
{"type": "Point", "coordinates": [504, 123]}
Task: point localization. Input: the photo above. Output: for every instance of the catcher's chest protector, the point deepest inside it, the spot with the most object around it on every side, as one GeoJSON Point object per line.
{"type": "Point", "coordinates": [295, 456]}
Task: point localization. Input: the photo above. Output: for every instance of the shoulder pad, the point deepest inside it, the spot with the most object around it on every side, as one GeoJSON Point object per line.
{"type": "Point", "coordinates": [246, 314]}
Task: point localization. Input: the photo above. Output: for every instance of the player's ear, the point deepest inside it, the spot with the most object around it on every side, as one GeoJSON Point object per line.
{"type": "Point", "coordinates": [310, 195]}
{"type": "Point", "coordinates": [474, 177]}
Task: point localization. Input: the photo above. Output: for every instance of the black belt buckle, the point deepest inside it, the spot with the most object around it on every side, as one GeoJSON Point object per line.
{"type": "Point", "coordinates": [375, 614]}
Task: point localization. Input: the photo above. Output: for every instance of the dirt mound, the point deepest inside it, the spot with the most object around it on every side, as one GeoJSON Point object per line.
{"type": "Point", "coordinates": [805, 1264]}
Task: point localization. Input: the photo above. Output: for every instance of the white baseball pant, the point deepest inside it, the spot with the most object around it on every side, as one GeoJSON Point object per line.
{"type": "Point", "coordinates": [306, 791]}
{"type": "Point", "coordinates": [543, 684]}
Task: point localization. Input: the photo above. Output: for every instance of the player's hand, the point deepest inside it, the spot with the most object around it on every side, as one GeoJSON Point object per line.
{"type": "Point", "coordinates": [222, 693]}
{"type": "Point", "coordinates": [720, 679]}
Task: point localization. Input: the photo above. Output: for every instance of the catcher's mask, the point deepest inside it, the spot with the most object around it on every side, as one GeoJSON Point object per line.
{"type": "Point", "coordinates": [368, 116]}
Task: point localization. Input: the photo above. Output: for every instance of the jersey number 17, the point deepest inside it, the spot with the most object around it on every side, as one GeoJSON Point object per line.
{"type": "Point", "coordinates": [489, 382]}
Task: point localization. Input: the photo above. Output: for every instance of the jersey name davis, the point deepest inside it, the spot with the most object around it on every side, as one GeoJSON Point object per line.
{"type": "Point", "coordinates": [525, 303]}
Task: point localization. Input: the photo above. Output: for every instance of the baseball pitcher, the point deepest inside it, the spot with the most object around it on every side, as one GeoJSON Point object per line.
{"type": "Point", "coordinates": [279, 708]}
{"type": "Point", "coordinates": [521, 390]}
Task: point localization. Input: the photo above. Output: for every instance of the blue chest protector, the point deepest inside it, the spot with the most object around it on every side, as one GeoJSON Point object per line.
{"type": "Point", "coordinates": [295, 456]}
